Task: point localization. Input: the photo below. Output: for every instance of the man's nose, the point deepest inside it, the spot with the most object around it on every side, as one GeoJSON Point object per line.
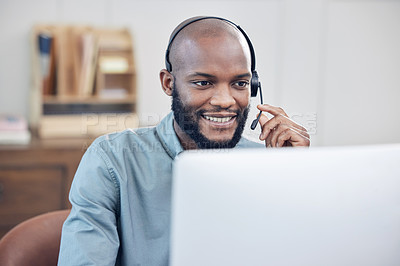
{"type": "Point", "coordinates": [222, 97]}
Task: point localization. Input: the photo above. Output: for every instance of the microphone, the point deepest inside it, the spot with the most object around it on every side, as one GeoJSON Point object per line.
{"type": "Point", "coordinates": [255, 121]}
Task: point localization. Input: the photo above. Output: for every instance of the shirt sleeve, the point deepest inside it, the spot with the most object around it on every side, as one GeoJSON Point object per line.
{"type": "Point", "coordinates": [89, 235]}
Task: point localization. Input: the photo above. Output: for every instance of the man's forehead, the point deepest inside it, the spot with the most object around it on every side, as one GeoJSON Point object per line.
{"type": "Point", "coordinates": [213, 54]}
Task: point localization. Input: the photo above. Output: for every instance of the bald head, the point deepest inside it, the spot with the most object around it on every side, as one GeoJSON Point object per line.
{"type": "Point", "coordinates": [202, 31]}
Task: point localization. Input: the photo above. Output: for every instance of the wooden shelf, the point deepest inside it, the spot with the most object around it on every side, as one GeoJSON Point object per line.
{"type": "Point", "coordinates": [128, 72]}
{"type": "Point", "coordinates": [53, 99]}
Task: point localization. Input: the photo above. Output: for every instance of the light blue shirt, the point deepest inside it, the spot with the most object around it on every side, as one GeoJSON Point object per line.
{"type": "Point", "coordinates": [121, 199]}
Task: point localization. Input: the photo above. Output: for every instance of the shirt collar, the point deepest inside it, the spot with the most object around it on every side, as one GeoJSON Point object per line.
{"type": "Point", "coordinates": [167, 135]}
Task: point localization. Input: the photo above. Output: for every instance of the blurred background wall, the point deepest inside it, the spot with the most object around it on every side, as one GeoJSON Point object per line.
{"type": "Point", "coordinates": [333, 65]}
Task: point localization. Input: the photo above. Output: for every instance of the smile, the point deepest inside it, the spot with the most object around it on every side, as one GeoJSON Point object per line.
{"type": "Point", "coordinates": [218, 119]}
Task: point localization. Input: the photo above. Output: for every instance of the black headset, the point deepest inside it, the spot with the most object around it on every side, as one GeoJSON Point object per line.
{"type": "Point", "coordinates": [255, 83]}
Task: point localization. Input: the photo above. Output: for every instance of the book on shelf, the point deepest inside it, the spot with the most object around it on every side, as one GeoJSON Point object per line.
{"type": "Point", "coordinates": [67, 59]}
{"type": "Point", "coordinates": [14, 130]}
{"type": "Point", "coordinates": [46, 45]}
{"type": "Point", "coordinates": [86, 53]}
{"type": "Point", "coordinates": [66, 80]}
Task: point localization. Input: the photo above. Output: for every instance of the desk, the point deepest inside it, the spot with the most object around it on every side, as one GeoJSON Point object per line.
{"type": "Point", "coordinates": [36, 178]}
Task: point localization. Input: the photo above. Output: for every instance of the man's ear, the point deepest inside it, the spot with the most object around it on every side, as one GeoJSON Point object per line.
{"type": "Point", "coordinates": [167, 81]}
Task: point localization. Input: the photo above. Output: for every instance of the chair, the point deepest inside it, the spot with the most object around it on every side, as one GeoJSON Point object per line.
{"type": "Point", "coordinates": [35, 241]}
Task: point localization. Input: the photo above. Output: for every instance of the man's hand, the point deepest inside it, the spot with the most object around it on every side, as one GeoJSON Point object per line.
{"type": "Point", "coordinates": [281, 131]}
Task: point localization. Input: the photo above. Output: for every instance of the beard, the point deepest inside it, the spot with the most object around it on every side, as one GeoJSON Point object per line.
{"type": "Point", "coordinates": [188, 120]}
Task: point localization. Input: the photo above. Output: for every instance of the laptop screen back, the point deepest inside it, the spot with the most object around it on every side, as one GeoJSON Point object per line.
{"type": "Point", "coordinates": [319, 206]}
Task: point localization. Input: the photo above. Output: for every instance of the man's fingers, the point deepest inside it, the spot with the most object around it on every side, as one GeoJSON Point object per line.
{"type": "Point", "coordinates": [286, 135]}
{"type": "Point", "coordinates": [304, 132]}
{"type": "Point", "coordinates": [271, 109]}
{"type": "Point", "coordinates": [263, 120]}
{"type": "Point", "coordinates": [268, 143]}
{"type": "Point", "coordinates": [280, 130]}
{"type": "Point", "coordinates": [277, 132]}
{"type": "Point", "coordinates": [292, 138]}
{"type": "Point", "coordinates": [280, 119]}
{"type": "Point", "coordinates": [274, 122]}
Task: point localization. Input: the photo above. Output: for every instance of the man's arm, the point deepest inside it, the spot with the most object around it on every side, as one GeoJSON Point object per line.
{"type": "Point", "coordinates": [280, 130]}
{"type": "Point", "coordinates": [89, 235]}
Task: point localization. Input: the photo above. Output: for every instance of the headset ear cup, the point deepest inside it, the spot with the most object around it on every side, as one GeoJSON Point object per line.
{"type": "Point", "coordinates": [254, 84]}
{"type": "Point", "coordinates": [167, 63]}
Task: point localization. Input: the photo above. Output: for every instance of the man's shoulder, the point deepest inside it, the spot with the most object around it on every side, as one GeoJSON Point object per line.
{"type": "Point", "coordinates": [126, 138]}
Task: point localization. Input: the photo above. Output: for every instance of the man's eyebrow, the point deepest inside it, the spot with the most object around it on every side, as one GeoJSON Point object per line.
{"type": "Point", "coordinates": [196, 74]}
{"type": "Point", "coordinates": [245, 75]}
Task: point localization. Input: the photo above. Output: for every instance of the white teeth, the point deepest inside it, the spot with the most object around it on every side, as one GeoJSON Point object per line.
{"type": "Point", "coordinates": [218, 119]}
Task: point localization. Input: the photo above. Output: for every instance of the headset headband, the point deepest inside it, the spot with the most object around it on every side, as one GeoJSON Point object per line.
{"type": "Point", "coordinates": [252, 53]}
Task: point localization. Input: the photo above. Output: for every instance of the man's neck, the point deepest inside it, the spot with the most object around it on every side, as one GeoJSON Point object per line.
{"type": "Point", "coordinates": [187, 142]}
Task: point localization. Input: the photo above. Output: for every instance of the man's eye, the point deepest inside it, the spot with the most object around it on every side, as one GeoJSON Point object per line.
{"type": "Point", "coordinates": [202, 83]}
{"type": "Point", "coordinates": [242, 84]}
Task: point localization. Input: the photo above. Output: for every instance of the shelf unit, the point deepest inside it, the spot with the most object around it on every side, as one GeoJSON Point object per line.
{"type": "Point", "coordinates": [92, 74]}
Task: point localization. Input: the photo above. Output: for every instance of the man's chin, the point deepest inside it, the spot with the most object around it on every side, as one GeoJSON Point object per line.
{"type": "Point", "coordinates": [216, 134]}
{"type": "Point", "coordinates": [204, 142]}
{"type": "Point", "coordinates": [214, 137]}
{"type": "Point", "coordinates": [220, 140]}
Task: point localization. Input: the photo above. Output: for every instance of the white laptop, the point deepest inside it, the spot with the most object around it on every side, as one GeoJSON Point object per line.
{"type": "Point", "coordinates": [317, 206]}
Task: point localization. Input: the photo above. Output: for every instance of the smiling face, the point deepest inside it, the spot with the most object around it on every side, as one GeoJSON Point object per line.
{"type": "Point", "coordinates": [187, 119]}
{"type": "Point", "coordinates": [210, 86]}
